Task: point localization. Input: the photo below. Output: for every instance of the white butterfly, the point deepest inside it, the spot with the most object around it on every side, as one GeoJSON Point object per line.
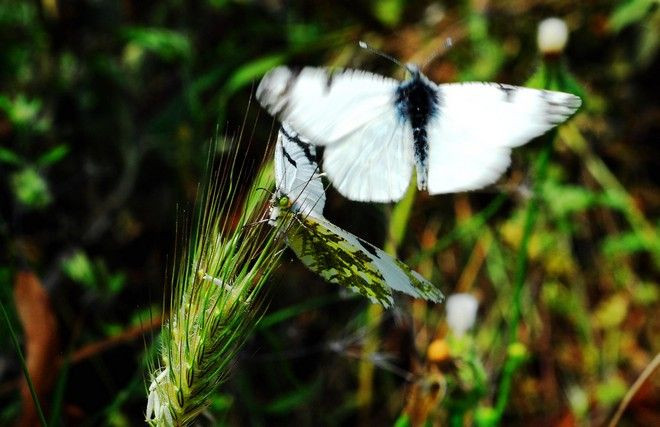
{"type": "Point", "coordinates": [297, 173]}
{"type": "Point", "coordinates": [459, 136]}
{"type": "Point", "coordinates": [337, 255]}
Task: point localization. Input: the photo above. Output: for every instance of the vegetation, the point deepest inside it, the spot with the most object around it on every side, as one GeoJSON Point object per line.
{"type": "Point", "coordinates": [108, 113]}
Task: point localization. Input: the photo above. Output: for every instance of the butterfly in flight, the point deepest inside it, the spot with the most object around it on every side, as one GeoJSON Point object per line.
{"type": "Point", "coordinates": [335, 254]}
{"type": "Point", "coordinates": [375, 129]}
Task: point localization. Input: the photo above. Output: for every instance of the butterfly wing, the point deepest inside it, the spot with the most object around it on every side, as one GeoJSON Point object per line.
{"type": "Point", "coordinates": [367, 157]}
{"type": "Point", "coordinates": [471, 136]}
{"type": "Point", "coordinates": [337, 260]}
{"type": "Point", "coordinates": [374, 163]}
{"type": "Point", "coordinates": [297, 172]}
{"type": "Point", "coordinates": [324, 106]}
{"type": "Point", "coordinates": [343, 258]}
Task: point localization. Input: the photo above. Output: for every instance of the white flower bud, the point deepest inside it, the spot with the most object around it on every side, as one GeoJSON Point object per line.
{"type": "Point", "coordinates": [461, 312]}
{"type": "Point", "coordinates": [552, 36]}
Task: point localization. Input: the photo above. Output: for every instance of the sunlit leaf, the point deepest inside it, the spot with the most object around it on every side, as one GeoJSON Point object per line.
{"type": "Point", "coordinates": [53, 155]}
{"type": "Point", "coordinates": [611, 391]}
{"type": "Point", "coordinates": [116, 282]}
{"type": "Point", "coordinates": [221, 402]}
{"type": "Point", "coordinates": [566, 199]}
{"type": "Point", "coordinates": [9, 157]}
{"type": "Point", "coordinates": [21, 110]}
{"type": "Point", "coordinates": [389, 12]}
{"type": "Point", "coordinates": [30, 188]}
{"type": "Point", "coordinates": [611, 312]}
{"type": "Point", "coordinates": [624, 243]}
{"type": "Point", "coordinates": [247, 73]}
{"type": "Point", "coordinates": [167, 44]}
{"type": "Point", "coordinates": [646, 293]}
{"type": "Point", "coordinates": [630, 12]}
{"type": "Point", "coordinates": [78, 268]}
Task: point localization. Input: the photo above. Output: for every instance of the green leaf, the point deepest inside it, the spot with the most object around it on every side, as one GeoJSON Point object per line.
{"type": "Point", "coordinates": [112, 329]}
{"type": "Point", "coordinates": [221, 402]}
{"type": "Point", "coordinates": [403, 421]}
{"type": "Point", "coordinates": [612, 312]}
{"type": "Point", "coordinates": [53, 155]}
{"type": "Point", "coordinates": [9, 157]}
{"type": "Point", "coordinates": [624, 243]}
{"type": "Point", "coordinates": [389, 12]}
{"type": "Point", "coordinates": [629, 12]}
{"type": "Point", "coordinates": [79, 268]}
{"type": "Point", "coordinates": [485, 416]}
{"type": "Point", "coordinates": [244, 76]}
{"type": "Point", "coordinates": [612, 391]}
{"type": "Point", "coordinates": [21, 110]}
{"type": "Point", "coordinates": [300, 34]}
{"type": "Point", "coordinates": [167, 44]}
{"type": "Point", "coordinates": [566, 199]}
{"type": "Point", "coordinates": [30, 188]}
{"type": "Point", "coordinates": [649, 41]}
{"type": "Point", "coordinates": [252, 70]}
{"type": "Point", "coordinates": [296, 398]}
{"type": "Point", "coordinates": [144, 315]}
{"type": "Point", "coordinates": [578, 400]}
{"type": "Point", "coordinates": [556, 76]}
{"type": "Point", "coordinates": [116, 282]}
{"type": "Point", "coordinates": [645, 293]}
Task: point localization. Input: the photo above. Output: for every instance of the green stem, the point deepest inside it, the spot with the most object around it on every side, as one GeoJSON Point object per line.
{"type": "Point", "coordinates": [512, 363]}
{"type": "Point", "coordinates": [468, 227]}
{"type": "Point", "coordinates": [522, 263]}
{"type": "Point", "coordinates": [396, 232]}
{"type": "Point", "coordinates": [21, 359]}
{"type": "Point", "coordinates": [531, 214]}
{"type": "Point", "coordinates": [399, 221]}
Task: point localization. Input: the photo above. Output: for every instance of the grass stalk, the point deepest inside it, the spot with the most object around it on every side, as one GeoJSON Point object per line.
{"type": "Point", "coordinates": [21, 359]}
{"type": "Point", "coordinates": [396, 232]}
{"type": "Point", "coordinates": [522, 263]}
{"type": "Point", "coordinates": [215, 301]}
{"type": "Point", "coordinates": [553, 77]}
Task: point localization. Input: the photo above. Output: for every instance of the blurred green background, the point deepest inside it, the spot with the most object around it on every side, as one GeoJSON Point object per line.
{"type": "Point", "coordinates": [107, 109]}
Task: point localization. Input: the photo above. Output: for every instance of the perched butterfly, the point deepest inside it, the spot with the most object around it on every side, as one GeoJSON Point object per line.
{"type": "Point", "coordinates": [459, 136]}
{"type": "Point", "coordinates": [337, 255]}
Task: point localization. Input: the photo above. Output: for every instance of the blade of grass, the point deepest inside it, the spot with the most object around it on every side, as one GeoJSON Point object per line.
{"type": "Point", "coordinates": [21, 359]}
{"type": "Point", "coordinates": [473, 224]}
{"type": "Point", "coordinates": [397, 230]}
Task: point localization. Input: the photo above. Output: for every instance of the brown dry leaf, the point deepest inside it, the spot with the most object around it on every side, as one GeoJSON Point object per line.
{"type": "Point", "coordinates": [35, 313]}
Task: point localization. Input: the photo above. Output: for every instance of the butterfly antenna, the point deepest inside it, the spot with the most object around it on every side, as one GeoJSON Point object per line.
{"type": "Point", "coordinates": [446, 45]}
{"type": "Point", "coordinates": [365, 46]}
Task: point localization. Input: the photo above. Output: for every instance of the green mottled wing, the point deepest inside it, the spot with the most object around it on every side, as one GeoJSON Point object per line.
{"type": "Point", "coordinates": [343, 258]}
{"type": "Point", "coordinates": [335, 259]}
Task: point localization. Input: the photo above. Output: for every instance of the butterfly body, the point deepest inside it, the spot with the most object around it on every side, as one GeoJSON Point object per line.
{"type": "Point", "coordinates": [376, 129]}
{"type": "Point", "coordinates": [416, 102]}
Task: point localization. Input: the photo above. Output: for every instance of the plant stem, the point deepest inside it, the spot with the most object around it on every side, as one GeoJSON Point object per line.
{"type": "Point", "coordinates": [467, 228]}
{"type": "Point", "coordinates": [530, 220]}
{"type": "Point", "coordinates": [552, 76]}
{"type": "Point", "coordinates": [396, 232]}
{"type": "Point", "coordinates": [646, 373]}
{"type": "Point", "coordinates": [522, 263]}
{"type": "Point", "coordinates": [26, 373]}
